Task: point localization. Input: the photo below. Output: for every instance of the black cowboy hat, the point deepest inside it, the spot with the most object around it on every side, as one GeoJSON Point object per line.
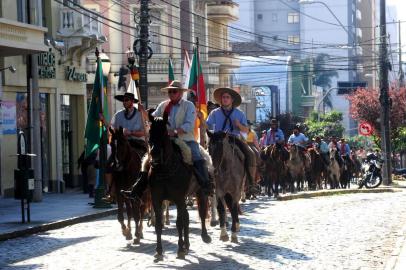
{"type": "Point", "coordinates": [274, 121]}
{"type": "Point", "coordinates": [126, 95]}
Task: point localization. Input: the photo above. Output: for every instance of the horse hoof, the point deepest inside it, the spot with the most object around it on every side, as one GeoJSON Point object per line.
{"type": "Point", "coordinates": [214, 223]}
{"type": "Point", "coordinates": [206, 239]}
{"type": "Point", "coordinates": [181, 255]}
{"type": "Point", "coordinates": [234, 239]}
{"type": "Point", "coordinates": [224, 238]}
{"type": "Point", "coordinates": [242, 200]}
{"type": "Point", "coordinates": [158, 257]}
{"type": "Point", "coordinates": [136, 241]}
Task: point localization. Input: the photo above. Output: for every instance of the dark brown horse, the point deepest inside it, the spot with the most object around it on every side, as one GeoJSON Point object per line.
{"type": "Point", "coordinates": [275, 158]}
{"type": "Point", "coordinates": [170, 178]}
{"type": "Point", "coordinates": [317, 168]}
{"type": "Point", "coordinates": [126, 167]}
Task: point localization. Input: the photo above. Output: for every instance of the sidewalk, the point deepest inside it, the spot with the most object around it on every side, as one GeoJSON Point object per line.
{"type": "Point", "coordinates": [55, 211]}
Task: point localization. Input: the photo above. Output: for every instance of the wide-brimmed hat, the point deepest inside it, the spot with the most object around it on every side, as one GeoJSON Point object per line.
{"type": "Point", "coordinates": [220, 91]}
{"type": "Point", "coordinates": [274, 121]}
{"type": "Point", "coordinates": [126, 95]}
{"type": "Point", "coordinates": [174, 85]}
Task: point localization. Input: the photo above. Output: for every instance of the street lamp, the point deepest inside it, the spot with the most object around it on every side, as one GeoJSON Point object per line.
{"type": "Point", "coordinates": [11, 68]}
{"type": "Point", "coordinates": [308, 2]}
{"type": "Point", "coordinates": [100, 190]}
{"type": "Point", "coordinates": [321, 101]}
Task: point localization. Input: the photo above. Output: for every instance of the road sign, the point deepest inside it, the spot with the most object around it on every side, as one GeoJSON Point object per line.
{"type": "Point", "coordinates": [365, 129]}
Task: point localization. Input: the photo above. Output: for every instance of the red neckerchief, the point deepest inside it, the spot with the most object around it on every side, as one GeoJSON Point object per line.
{"type": "Point", "coordinates": [168, 108]}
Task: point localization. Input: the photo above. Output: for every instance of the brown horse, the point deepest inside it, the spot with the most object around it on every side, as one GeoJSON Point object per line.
{"type": "Point", "coordinates": [333, 169]}
{"type": "Point", "coordinates": [317, 168]}
{"type": "Point", "coordinates": [275, 158]}
{"type": "Point", "coordinates": [126, 167]}
{"type": "Point", "coordinates": [229, 175]}
{"type": "Point", "coordinates": [296, 168]}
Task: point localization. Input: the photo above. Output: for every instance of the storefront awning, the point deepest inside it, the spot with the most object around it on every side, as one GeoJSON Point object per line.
{"type": "Point", "coordinates": [20, 38]}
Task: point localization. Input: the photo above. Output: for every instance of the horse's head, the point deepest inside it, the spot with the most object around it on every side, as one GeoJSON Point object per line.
{"type": "Point", "coordinates": [158, 138]}
{"type": "Point", "coordinates": [333, 154]}
{"type": "Point", "coordinates": [119, 147]}
{"type": "Point", "coordinates": [216, 145]}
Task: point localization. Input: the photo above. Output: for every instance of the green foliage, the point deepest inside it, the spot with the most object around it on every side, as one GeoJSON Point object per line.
{"type": "Point", "coordinates": [368, 142]}
{"type": "Point", "coordinates": [399, 142]}
{"type": "Point", "coordinates": [328, 126]}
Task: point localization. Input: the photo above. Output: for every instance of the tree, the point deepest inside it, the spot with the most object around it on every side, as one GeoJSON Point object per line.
{"type": "Point", "coordinates": [327, 126]}
{"type": "Point", "coordinates": [323, 76]}
{"type": "Point", "coordinates": [365, 106]}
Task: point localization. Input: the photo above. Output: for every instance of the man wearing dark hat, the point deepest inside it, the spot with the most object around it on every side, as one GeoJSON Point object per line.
{"type": "Point", "coordinates": [130, 119]}
{"type": "Point", "coordinates": [275, 134]}
{"type": "Point", "coordinates": [181, 116]}
{"type": "Point", "coordinates": [228, 118]}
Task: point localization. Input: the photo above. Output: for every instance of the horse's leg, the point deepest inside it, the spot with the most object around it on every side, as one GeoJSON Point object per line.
{"type": "Point", "coordinates": [213, 207]}
{"type": "Point", "coordinates": [167, 212]}
{"type": "Point", "coordinates": [180, 224]}
{"type": "Point", "coordinates": [222, 216]}
{"type": "Point", "coordinates": [120, 216]}
{"type": "Point", "coordinates": [157, 204]}
{"type": "Point", "coordinates": [186, 244]}
{"type": "Point", "coordinates": [235, 227]}
{"type": "Point", "coordinates": [138, 221]}
{"type": "Point", "coordinates": [202, 204]}
{"type": "Point", "coordinates": [129, 210]}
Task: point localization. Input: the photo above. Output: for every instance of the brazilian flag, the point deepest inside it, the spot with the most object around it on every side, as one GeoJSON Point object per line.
{"type": "Point", "coordinates": [98, 107]}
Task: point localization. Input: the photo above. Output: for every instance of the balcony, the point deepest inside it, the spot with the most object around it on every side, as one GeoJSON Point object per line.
{"type": "Point", "coordinates": [225, 59]}
{"type": "Point", "coordinates": [20, 38]}
{"type": "Point", "coordinates": [223, 10]}
{"type": "Point", "coordinates": [75, 24]}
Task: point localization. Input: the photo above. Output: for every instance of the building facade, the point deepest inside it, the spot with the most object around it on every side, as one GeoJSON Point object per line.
{"type": "Point", "coordinates": [56, 38]}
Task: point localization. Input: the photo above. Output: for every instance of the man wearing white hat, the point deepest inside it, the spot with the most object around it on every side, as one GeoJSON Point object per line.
{"type": "Point", "coordinates": [181, 116]}
{"type": "Point", "coordinates": [228, 118]}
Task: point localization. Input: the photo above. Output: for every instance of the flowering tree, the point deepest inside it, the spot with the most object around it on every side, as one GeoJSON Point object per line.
{"type": "Point", "coordinates": [365, 106]}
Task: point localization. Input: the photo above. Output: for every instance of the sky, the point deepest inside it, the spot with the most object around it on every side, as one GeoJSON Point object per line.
{"type": "Point", "coordinates": [401, 6]}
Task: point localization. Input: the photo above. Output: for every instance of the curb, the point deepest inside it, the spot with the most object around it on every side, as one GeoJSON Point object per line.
{"type": "Point", "coordinates": [312, 194]}
{"type": "Point", "coordinates": [57, 224]}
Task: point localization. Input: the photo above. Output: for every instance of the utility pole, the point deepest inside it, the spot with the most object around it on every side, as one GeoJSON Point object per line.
{"type": "Point", "coordinates": [401, 74]}
{"type": "Point", "coordinates": [384, 97]}
{"type": "Point", "coordinates": [33, 115]}
{"type": "Point", "coordinates": [144, 52]}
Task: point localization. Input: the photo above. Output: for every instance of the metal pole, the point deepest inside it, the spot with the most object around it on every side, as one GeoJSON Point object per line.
{"type": "Point", "coordinates": [143, 57]}
{"type": "Point", "coordinates": [321, 101]}
{"type": "Point", "coordinates": [384, 98]}
{"type": "Point", "coordinates": [401, 74]}
{"type": "Point", "coordinates": [34, 130]}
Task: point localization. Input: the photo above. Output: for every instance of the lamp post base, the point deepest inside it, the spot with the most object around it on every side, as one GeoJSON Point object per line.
{"type": "Point", "coordinates": [98, 202]}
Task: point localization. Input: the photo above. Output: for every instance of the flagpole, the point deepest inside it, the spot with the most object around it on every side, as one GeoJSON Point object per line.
{"type": "Point", "coordinates": [202, 128]}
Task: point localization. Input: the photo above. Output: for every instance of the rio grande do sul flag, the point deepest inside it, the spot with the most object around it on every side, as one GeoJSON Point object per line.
{"type": "Point", "coordinates": [196, 83]}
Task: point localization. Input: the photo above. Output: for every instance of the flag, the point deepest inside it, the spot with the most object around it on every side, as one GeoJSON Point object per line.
{"type": "Point", "coordinates": [186, 70]}
{"type": "Point", "coordinates": [132, 88]}
{"type": "Point", "coordinates": [98, 105]}
{"type": "Point", "coordinates": [171, 76]}
{"type": "Point", "coordinates": [196, 83]}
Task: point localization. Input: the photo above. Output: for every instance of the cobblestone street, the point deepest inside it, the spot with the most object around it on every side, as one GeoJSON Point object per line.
{"type": "Point", "coordinates": [358, 231]}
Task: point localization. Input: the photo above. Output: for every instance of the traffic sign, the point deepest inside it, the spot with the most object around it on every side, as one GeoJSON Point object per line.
{"type": "Point", "coordinates": [365, 129]}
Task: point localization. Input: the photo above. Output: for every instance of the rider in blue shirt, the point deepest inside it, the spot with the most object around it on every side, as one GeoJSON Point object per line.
{"type": "Point", "coordinates": [299, 139]}
{"type": "Point", "coordinates": [274, 134]}
{"type": "Point", "coordinates": [228, 118]}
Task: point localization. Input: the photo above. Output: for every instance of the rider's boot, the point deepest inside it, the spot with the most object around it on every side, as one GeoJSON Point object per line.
{"type": "Point", "coordinates": [202, 176]}
{"type": "Point", "coordinates": [138, 188]}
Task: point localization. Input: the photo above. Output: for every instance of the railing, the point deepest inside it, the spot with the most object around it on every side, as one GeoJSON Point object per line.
{"type": "Point", "coordinates": [73, 23]}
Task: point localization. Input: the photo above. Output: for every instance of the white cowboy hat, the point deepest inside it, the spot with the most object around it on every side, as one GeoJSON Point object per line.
{"type": "Point", "coordinates": [235, 96]}
{"type": "Point", "coordinates": [174, 85]}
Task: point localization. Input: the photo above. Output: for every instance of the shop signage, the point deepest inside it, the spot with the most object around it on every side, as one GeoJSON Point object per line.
{"type": "Point", "coordinates": [8, 110]}
{"type": "Point", "coordinates": [72, 75]}
{"type": "Point", "coordinates": [46, 65]}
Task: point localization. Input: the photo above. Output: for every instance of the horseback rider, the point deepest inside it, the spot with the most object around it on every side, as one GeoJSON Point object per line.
{"type": "Point", "coordinates": [262, 140]}
{"type": "Point", "coordinates": [344, 149]}
{"type": "Point", "coordinates": [252, 138]}
{"type": "Point", "coordinates": [334, 144]}
{"type": "Point", "coordinates": [228, 118]}
{"type": "Point", "coordinates": [323, 149]}
{"type": "Point", "coordinates": [130, 119]}
{"type": "Point", "coordinates": [274, 135]}
{"type": "Point", "coordinates": [181, 115]}
{"type": "Point", "coordinates": [299, 139]}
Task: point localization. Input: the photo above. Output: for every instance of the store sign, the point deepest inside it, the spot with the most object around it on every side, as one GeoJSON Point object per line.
{"type": "Point", "coordinates": [8, 110]}
{"type": "Point", "coordinates": [72, 75]}
{"type": "Point", "coordinates": [46, 65]}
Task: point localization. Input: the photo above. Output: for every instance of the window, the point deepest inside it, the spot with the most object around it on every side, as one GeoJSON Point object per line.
{"type": "Point", "coordinates": [259, 16]}
{"type": "Point", "coordinates": [155, 31]}
{"type": "Point", "coordinates": [274, 17]}
{"type": "Point", "coordinates": [293, 40]}
{"type": "Point", "coordinates": [293, 17]}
